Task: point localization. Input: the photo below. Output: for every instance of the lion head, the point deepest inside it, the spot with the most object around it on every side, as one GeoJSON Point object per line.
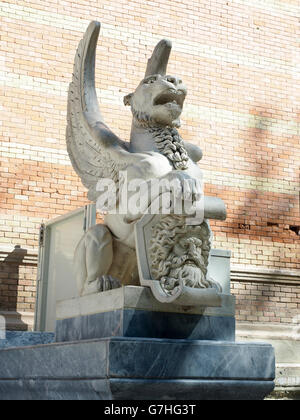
{"type": "Point", "coordinates": [158, 99]}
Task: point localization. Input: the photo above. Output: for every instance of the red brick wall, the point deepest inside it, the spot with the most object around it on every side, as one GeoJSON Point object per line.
{"type": "Point", "coordinates": [275, 303]}
{"type": "Point", "coordinates": [238, 59]}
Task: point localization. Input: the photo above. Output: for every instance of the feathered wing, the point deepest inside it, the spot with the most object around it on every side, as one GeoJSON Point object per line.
{"type": "Point", "coordinates": [94, 150]}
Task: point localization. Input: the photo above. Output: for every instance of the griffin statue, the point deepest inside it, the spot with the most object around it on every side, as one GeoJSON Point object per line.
{"type": "Point", "coordinates": [106, 256]}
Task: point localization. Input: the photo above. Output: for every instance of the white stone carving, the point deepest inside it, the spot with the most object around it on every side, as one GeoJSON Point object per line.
{"type": "Point", "coordinates": [106, 255]}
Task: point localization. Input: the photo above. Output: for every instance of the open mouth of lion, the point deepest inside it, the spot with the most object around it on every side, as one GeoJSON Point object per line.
{"type": "Point", "coordinates": [175, 97]}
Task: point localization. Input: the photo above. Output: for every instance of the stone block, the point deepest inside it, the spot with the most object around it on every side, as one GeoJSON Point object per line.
{"type": "Point", "coordinates": [136, 368]}
{"type": "Point", "coordinates": [132, 311]}
{"type": "Point", "coordinates": [24, 338]}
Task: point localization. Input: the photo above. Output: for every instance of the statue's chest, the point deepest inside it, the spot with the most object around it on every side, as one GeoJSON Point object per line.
{"type": "Point", "coordinates": [161, 166]}
{"type": "Point", "coordinates": [169, 143]}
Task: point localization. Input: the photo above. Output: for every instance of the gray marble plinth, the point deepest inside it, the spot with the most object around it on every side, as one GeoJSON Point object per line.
{"type": "Point", "coordinates": [132, 311]}
{"type": "Point", "coordinates": [133, 323]}
{"type": "Point", "coordinates": [123, 368]}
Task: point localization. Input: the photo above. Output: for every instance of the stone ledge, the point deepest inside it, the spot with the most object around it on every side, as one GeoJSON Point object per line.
{"type": "Point", "coordinates": [140, 358]}
{"type": "Point", "coordinates": [134, 389]}
{"type": "Point", "coordinates": [134, 368]}
{"type": "Point", "coordinates": [134, 297]}
{"type": "Point", "coordinates": [271, 331]}
{"type": "Point", "coordinates": [18, 321]}
{"type": "Point", "coordinates": [262, 275]}
{"type": "Point", "coordinates": [21, 339]}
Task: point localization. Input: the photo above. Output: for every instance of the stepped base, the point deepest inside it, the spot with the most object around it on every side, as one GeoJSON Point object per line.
{"type": "Point", "coordinates": [138, 369]}
{"type": "Point", "coordinates": [134, 389]}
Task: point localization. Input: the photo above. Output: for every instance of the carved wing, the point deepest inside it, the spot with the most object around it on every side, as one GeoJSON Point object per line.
{"type": "Point", "coordinates": [95, 151]}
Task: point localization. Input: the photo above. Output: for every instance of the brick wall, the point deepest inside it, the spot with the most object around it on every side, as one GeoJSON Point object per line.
{"type": "Point", "coordinates": [17, 286]}
{"type": "Point", "coordinates": [238, 59]}
{"type": "Point", "coordinates": [264, 302]}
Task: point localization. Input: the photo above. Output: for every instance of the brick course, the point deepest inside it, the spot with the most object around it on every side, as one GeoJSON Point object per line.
{"type": "Point", "coordinates": [238, 59]}
{"type": "Point", "coordinates": [266, 302]}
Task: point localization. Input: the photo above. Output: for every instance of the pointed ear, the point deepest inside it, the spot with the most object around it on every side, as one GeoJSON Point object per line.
{"type": "Point", "coordinates": [127, 99]}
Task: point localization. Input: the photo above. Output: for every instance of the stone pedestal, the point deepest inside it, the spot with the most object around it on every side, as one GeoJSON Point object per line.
{"type": "Point", "coordinates": [138, 368]}
{"type": "Point", "coordinates": [124, 345]}
{"type": "Point", "coordinates": [132, 311]}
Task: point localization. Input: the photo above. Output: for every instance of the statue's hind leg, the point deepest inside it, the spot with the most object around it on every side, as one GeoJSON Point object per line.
{"type": "Point", "coordinates": [93, 259]}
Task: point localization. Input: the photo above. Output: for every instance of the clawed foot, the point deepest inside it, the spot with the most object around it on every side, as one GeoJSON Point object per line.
{"type": "Point", "coordinates": [105, 283]}
{"type": "Point", "coordinates": [101, 284]}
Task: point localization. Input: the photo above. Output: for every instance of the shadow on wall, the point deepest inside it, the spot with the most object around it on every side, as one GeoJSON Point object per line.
{"type": "Point", "coordinates": [10, 264]}
{"type": "Point", "coordinates": [264, 212]}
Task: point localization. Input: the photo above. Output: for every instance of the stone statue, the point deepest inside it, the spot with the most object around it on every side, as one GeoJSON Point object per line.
{"type": "Point", "coordinates": [177, 251]}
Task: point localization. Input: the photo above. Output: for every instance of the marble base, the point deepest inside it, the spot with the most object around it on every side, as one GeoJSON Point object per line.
{"type": "Point", "coordinates": [133, 389]}
{"type": "Point", "coordinates": [132, 311]}
{"type": "Point", "coordinates": [148, 324]}
{"type": "Point", "coordinates": [25, 338]}
{"type": "Point", "coordinates": [146, 369]}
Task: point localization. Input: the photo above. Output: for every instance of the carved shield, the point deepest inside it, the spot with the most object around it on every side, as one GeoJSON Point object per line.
{"type": "Point", "coordinates": [180, 294]}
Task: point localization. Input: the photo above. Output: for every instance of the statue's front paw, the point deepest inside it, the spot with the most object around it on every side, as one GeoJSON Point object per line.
{"type": "Point", "coordinates": [184, 186]}
{"type": "Point", "coordinates": [106, 282]}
